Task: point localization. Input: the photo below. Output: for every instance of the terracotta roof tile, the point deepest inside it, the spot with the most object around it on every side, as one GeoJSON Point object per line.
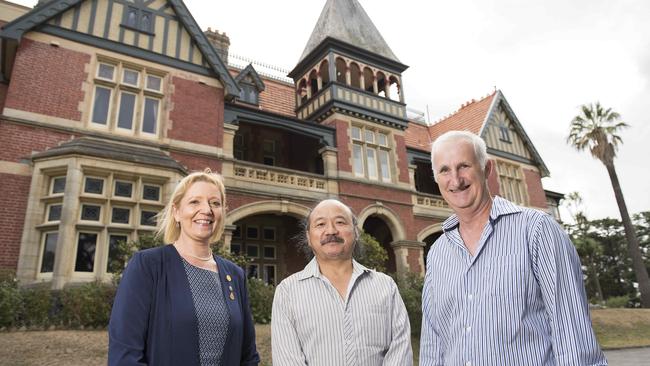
{"type": "Point", "coordinates": [417, 136]}
{"type": "Point", "coordinates": [469, 117]}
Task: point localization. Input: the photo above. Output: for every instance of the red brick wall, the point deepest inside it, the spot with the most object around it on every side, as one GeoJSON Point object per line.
{"type": "Point", "coordinates": [14, 190]}
{"type": "Point", "coordinates": [402, 160]}
{"type": "Point", "coordinates": [47, 80]}
{"type": "Point", "coordinates": [343, 144]}
{"type": "Point", "coordinates": [197, 162]}
{"type": "Point", "coordinates": [18, 141]}
{"type": "Point", "coordinates": [493, 180]}
{"type": "Point", "coordinates": [197, 114]}
{"type": "Point", "coordinates": [535, 190]}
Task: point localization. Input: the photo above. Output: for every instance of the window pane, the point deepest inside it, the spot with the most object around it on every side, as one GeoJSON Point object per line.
{"type": "Point", "coordinates": [120, 215]}
{"type": "Point", "coordinates": [356, 133]}
{"type": "Point", "coordinates": [252, 232]}
{"type": "Point", "coordinates": [382, 139]}
{"type": "Point", "coordinates": [130, 77]}
{"type": "Point", "coordinates": [145, 22]}
{"type": "Point", "coordinates": [49, 248]}
{"type": "Point", "coordinates": [55, 213]}
{"type": "Point", "coordinates": [114, 263]}
{"type": "Point", "coordinates": [127, 107]}
{"type": "Point", "coordinates": [357, 159]}
{"type": "Point", "coordinates": [123, 189]}
{"type": "Point", "coordinates": [269, 233]}
{"type": "Point", "coordinates": [252, 251]}
{"type": "Point", "coordinates": [131, 17]}
{"type": "Point", "coordinates": [370, 136]}
{"type": "Point", "coordinates": [383, 162]}
{"type": "Point", "coordinates": [154, 82]}
{"type": "Point", "coordinates": [86, 252]}
{"type": "Point", "coordinates": [151, 193]}
{"type": "Point", "coordinates": [372, 163]}
{"type": "Point", "coordinates": [150, 119]}
{"type": "Point", "coordinates": [253, 271]}
{"type": "Point", "coordinates": [235, 248]}
{"type": "Point", "coordinates": [237, 232]}
{"type": "Point", "coordinates": [100, 108]}
{"type": "Point", "coordinates": [269, 252]}
{"type": "Point", "coordinates": [269, 274]}
{"type": "Point", "coordinates": [148, 218]}
{"type": "Point", "coordinates": [58, 185]}
{"type": "Point", "coordinates": [94, 185]}
{"type": "Point", "coordinates": [106, 71]}
{"type": "Point", "coordinates": [90, 212]}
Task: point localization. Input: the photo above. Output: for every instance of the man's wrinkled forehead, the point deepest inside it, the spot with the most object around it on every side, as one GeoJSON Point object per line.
{"type": "Point", "coordinates": [321, 210]}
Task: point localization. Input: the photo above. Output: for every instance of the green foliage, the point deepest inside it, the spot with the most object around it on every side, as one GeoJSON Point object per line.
{"type": "Point", "coordinates": [10, 300]}
{"type": "Point", "coordinates": [261, 300]}
{"type": "Point", "coordinates": [410, 288]}
{"type": "Point", "coordinates": [36, 306]}
{"type": "Point", "coordinates": [86, 305]}
{"type": "Point", "coordinates": [617, 302]}
{"type": "Point", "coordinates": [238, 259]}
{"type": "Point", "coordinates": [374, 255]}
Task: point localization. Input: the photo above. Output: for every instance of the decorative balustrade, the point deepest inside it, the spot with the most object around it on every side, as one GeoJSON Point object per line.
{"type": "Point", "coordinates": [279, 177]}
{"type": "Point", "coordinates": [431, 201]}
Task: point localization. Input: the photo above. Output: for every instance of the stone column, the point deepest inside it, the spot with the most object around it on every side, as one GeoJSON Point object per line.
{"type": "Point", "coordinates": [412, 169]}
{"type": "Point", "coordinates": [66, 245]}
{"type": "Point", "coordinates": [409, 256]}
{"type": "Point", "coordinates": [227, 237]}
{"type": "Point", "coordinates": [30, 243]}
{"type": "Point", "coordinates": [330, 168]}
{"type": "Point", "coordinates": [228, 149]}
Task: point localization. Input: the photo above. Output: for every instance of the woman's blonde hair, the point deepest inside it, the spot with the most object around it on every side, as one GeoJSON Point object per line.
{"type": "Point", "coordinates": [169, 228]}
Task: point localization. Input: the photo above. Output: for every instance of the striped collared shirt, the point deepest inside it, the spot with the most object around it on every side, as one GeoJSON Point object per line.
{"type": "Point", "coordinates": [519, 300]}
{"type": "Point", "coordinates": [312, 325]}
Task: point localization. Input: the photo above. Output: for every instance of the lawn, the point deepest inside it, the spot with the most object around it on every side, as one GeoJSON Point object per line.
{"type": "Point", "coordinates": [615, 328]}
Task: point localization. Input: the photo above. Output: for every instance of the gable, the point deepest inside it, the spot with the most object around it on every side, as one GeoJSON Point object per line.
{"type": "Point", "coordinates": [148, 25]}
{"type": "Point", "coordinates": [500, 134]}
{"type": "Point", "coordinates": [161, 31]}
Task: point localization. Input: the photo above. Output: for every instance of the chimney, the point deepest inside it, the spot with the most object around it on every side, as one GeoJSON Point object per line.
{"type": "Point", "coordinates": [220, 42]}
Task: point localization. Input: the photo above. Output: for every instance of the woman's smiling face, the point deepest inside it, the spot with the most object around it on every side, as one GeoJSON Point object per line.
{"type": "Point", "coordinates": [199, 212]}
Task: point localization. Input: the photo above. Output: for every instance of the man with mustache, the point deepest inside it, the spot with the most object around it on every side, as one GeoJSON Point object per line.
{"type": "Point", "coordinates": [503, 283]}
{"type": "Point", "coordinates": [336, 312]}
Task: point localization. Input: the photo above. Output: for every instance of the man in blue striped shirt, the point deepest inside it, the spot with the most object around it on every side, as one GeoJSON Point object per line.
{"type": "Point", "coordinates": [337, 312]}
{"type": "Point", "coordinates": [503, 283]}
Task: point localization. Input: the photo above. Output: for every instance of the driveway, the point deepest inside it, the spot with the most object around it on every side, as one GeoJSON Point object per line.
{"type": "Point", "coordinates": [629, 357]}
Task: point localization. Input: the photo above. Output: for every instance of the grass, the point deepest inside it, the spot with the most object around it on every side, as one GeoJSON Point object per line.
{"type": "Point", "coordinates": [622, 328]}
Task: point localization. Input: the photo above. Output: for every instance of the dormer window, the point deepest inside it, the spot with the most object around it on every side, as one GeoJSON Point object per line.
{"type": "Point", "coordinates": [138, 19]}
{"type": "Point", "coordinates": [250, 85]}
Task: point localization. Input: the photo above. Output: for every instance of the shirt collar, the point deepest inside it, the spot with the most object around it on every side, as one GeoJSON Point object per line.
{"type": "Point", "coordinates": [312, 270]}
{"type": "Point", "coordinates": [500, 207]}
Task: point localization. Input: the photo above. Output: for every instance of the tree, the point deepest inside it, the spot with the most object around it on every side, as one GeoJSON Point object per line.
{"type": "Point", "coordinates": [596, 129]}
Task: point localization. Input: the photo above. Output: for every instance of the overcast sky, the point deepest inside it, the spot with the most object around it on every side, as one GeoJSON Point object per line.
{"type": "Point", "coordinates": [547, 56]}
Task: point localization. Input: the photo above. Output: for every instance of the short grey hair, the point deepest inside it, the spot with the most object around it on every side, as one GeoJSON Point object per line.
{"type": "Point", "coordinates": [480, 149]}
{"type": "Point", "coordinates": [302, 238]}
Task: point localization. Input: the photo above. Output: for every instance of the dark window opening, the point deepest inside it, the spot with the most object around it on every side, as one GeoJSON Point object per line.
{"type": "Point", "coordinates": [138, 19]}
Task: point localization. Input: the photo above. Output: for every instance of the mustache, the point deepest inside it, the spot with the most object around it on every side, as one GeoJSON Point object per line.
{"type": "Point", "coordinates": [333, 238]}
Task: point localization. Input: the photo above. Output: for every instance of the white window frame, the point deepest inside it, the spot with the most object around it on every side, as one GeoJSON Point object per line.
{"type": "Point", "coordinates": [41, 252]}
{"type": "Point", "coordinates": [51, 188]}
{"type": "Point", "coordinates": [119, 110]}
{"type": "Point", "coordinates": [81, 212]}
{"type": "Point", "coordinates": [123, 80]}
{"type": "Point", "coordinates": [109, 118]}
{"type": "Point", "coordinates": [83, 188]}
{"type": "Point", "coordinates": [111, 222]}
{"type": "Point", "coordinates": [115, 182]}
{"type": "Point", "coordinates": [49, 209]}
{"type": "Point", "coordinates": [142, 115]}
{"type": "Point", "coordinates": [371, 142]}
{"type": "Point", "coordinates": [152, 185]}
{"type": "Point", "coordinates": [83, 274]}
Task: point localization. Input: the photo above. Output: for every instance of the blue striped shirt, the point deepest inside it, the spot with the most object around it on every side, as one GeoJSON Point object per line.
{"type": "Point", "coordinates": [519, 300]}
{"type": "Point", "coordinates": [312, 325]}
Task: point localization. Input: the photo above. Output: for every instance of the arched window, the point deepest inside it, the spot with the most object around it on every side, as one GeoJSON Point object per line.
{"type": "Point", "coordinates": [381, 84]}
{"type": "Point", "coordinates": [341, 69]}
{"type": "Point", "coordinates": [355, 75]}
{"type": "Point", "coordinates": [313, 82]}
{"type": "Point", "coordinates": [324, 72]}
{"type": "Point", "coordinates": [368, 79]}
{"type": "Point", "coordinates": [394, 89]}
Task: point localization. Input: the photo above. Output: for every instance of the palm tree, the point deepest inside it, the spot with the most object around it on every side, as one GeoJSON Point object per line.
{"type": "Point", "coordinates": [596, 129]}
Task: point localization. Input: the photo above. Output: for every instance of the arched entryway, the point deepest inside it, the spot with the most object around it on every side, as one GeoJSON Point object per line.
{"type": "Point", "coordinates": [429, 236]}
{"type": "Point", "coordinates": [376, 227]}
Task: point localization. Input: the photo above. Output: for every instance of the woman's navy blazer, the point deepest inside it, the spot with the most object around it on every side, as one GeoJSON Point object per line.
{"type": "Point", "coordinates": [153, 321]}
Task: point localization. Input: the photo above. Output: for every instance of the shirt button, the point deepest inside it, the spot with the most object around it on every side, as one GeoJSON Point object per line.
{"type": "Point", "coordinates": [468, 363]}
{"type": "Point", "coordinates": [468, 329]}
{"type": "Point", "coordinates": [470, 296]}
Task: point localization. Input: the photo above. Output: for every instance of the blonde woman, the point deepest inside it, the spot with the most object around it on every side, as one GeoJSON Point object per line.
{"type": "Point", "coordinates": [179, 304]}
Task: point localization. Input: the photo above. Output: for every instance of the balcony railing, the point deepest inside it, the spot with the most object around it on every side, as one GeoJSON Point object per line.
{"type": "Point", "coordinates": [431, 201]}
{"type": "Point", "coordinates": [431, 206]}
{"type": "Point", "coordinates": [279, 177]}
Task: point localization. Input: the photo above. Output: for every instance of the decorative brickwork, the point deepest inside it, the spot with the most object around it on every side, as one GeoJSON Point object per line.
{"type": "Point", "coordinates": [197, 113]}
{"type": "Point", "coordinates": [14, 190]}
{"type": "Point", "coordinates": [536, 195]}
{"type": "Point", "coordinates": [47, 80]}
